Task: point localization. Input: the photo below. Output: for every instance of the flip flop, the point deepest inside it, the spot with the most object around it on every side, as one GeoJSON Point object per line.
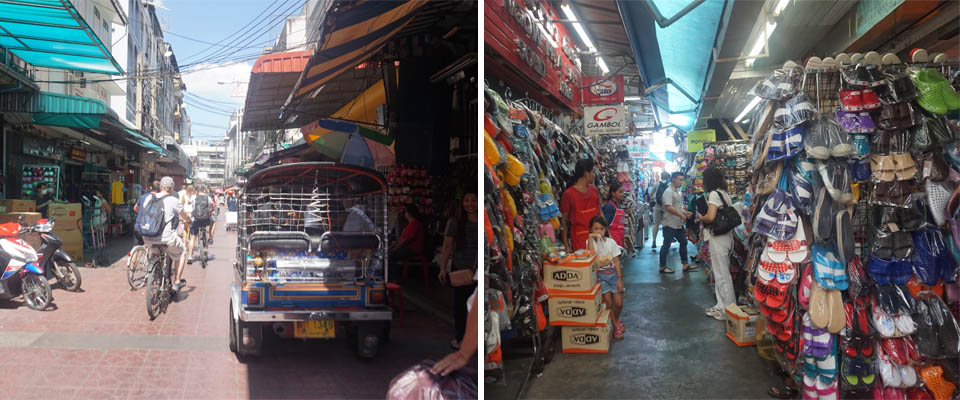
{"type": "Point", "coordinates": [666, 270]}
{"type": "Point", "coordinates": [838, 317]}
{"type": "Point", "coordinates": [818, 308]}
{"type": "Point", "coordinates": [690, 268]}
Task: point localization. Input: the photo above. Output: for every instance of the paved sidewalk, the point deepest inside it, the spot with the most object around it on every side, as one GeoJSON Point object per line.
{"type": "Point", "coordinates": [100, 344]}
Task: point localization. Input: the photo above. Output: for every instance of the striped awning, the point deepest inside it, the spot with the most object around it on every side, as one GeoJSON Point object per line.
{"type": "Point", "coordinates": [351, 34]}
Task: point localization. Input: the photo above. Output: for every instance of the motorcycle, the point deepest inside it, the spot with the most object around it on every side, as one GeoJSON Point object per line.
{"type": "Point", "coordinates": [22, 276]}
{"type": "Point", "coordinates": [54, 261]}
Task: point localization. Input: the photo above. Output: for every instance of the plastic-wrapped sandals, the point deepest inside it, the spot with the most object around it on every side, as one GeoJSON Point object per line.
{"type": "Point", "coordinates": [826, 139]}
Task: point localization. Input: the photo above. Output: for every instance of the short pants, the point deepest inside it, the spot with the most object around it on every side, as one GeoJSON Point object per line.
{"type": "Point", "coordinates": [175, 247]}
{"type": "Point", "coordinates": [197, 224]}
{"type": "Point", "coordinates": [608, 282]}
{"type": "Point", "coordinates": [657, 215]}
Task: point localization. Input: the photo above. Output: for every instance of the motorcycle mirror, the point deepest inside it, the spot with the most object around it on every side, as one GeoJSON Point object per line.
{"type": "Point", "coordinates": [20, 220]}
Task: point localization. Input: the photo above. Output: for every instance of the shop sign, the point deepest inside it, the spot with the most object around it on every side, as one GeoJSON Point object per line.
{"type": "Point", "coordinates": [523, 33]}
{"type": "Point", "coordinates": [696, 139]}
{"type": "Point", "coordinates": [597, 90]}
{"type": "Point", "coordinates": [78, 154]}
{"type": "Point", "coordinates": [42, 148]}
{"type": "Point", "coordinates": [604, 120]}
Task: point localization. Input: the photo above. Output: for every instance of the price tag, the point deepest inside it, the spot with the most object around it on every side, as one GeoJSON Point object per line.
{"type": "Point", "coordinates": [893, 227]}
{"type": "Point", "coordinates": [927, 166]}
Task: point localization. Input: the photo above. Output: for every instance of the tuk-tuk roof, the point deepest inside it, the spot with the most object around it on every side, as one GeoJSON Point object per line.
{"type": "Point", "coordinates": [360, 180]}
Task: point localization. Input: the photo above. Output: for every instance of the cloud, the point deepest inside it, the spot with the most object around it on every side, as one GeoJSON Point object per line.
{"type": "Point", "coordinates": [202, 80]}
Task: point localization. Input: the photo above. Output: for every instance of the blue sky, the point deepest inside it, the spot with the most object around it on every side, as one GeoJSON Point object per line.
{"type": "Point", "coordinates": [208, 102]}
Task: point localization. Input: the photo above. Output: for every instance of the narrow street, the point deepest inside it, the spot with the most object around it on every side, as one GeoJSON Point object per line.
{"type": "Point", "coordinates": [100, 344]}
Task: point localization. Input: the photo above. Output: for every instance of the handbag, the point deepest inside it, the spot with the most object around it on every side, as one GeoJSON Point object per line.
{"type": "Point", "coordinates": [462, 277]}
{"type": "Point", "coordinates": [727, 218]}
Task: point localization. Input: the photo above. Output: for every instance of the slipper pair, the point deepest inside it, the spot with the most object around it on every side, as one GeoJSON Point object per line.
{"type": "Point", "coordinates": [826, 309]}
{"type": "Point", "coordinates": [817, 342]}
{"type": "Point", "coordinates": [884, 271]}
{"type": "Point", "coordinates": [888, 326]}
{"type": "Point", "coordinates": [935, 93]}
{"type": "Point", "coordinates": [824, 368]}
{"type": "Point", "coordinates": [793, 112]}
{"type": "Point", "coordinates": [826, 139]}
{"type": "Point", "coordinates": [852, 100]}
{"type": "Point", "coordinates": [786, 144]}
{"type": "Point", "coordinates": [816, 389]}
{"type": "Point", "coordinates": [893, 375]}
{"type": "Point", "coordinates": [858, 373]}
{"type": "Point", "coordinates": [829, 271]}
{"type": "Point", "coordinates": [901, 351]}
{"type": "Point", "coordinates": [855, 121]}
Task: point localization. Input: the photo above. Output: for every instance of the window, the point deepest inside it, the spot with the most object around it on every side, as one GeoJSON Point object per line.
{"type": "Point", "coordinates": [83, 80]}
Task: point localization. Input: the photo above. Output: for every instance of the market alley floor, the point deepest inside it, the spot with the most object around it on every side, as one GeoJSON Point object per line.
{"type": "Point", "coordinates": [101, 344]}
{"type": "Point", "coordinates": [671, 349]}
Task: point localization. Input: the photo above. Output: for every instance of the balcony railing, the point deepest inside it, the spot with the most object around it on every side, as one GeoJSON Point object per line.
{"type": "Point", "coordinates": [9, 61]}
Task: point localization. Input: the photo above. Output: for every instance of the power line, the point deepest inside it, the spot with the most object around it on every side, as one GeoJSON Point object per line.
{"type": "Point", "coordinates": [245, 38]}
{"type": "Point", "coordinates": [236, 32]}
{"type": "Point", "coordinates": [270, 24]}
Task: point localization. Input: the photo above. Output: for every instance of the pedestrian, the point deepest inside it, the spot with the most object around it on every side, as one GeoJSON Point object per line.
{"type": "Point", "coordinates": [674, 216]}
{"type": "Point", "coordinates": [611, 278]}
{"type": "Point", "coordinates": [720, 245]}
{"type": "Point", "coordinates": [613, 213]}
{"type": "Point", "coordinates": [410, 242]}
{"type": "Point", "coordinates": [657, 202]}
{"type": "Point", "coordinates": [188, 195]}
{"type": "Point", "coordinates": [578, 204]}
{"type": "Point", "coordinates": [460, 247]}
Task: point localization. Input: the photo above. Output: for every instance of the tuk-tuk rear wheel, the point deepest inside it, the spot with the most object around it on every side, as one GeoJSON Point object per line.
{"type": "Point", "coordinates": [233, 329]}
{"type": "Point", "coordinates": [254, 332]}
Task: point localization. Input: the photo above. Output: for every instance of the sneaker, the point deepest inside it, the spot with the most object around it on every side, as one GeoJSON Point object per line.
{"type": "Point", "coordinates": [190, 260]}
{"type": "Point", "coordinates": [180, 285]}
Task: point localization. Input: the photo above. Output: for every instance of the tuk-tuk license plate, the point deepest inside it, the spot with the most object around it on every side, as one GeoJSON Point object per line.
{"type": "Point", "coordinates": [313, 329]}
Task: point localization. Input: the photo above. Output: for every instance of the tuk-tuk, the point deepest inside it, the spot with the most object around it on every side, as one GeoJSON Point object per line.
{"type": "Point", "coordinates": [311, 257]}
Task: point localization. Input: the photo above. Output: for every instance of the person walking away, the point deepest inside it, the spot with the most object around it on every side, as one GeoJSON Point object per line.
{"type": "Point", "coordinates": [186, 202]}
{"type": "Point", "coordinates": [410, 243]}
{"type": "Point", "coordinates": [673, 218]}
{"type": "Point", "coordinates": [613, 213]}
{"type": "Point", "coordinates": [720, 245]}
{"type": "Point", "coordinates": [657, 202]}
{"type": "Point", "coordinates": [611, 278]}
{"type": "Point", "coordinates": [202, 205]}
{"type": "Point", "coordinates": [460, 247]}
{"type": "Point", "coordinates": [153, 189]}
{"type": "Point", "coordinates": [578, 204]}
{"type": "Point", "coordinates": [172, 214]}
{"type": "Point", "coordinates": [214, 214]}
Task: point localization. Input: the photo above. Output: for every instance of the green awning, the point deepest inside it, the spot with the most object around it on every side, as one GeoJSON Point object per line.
{"type": "Point", "coordinates": [138, 139]}
{"type": "Point", "coordinates": [53, 34]}
{"type": "Point", "coordinates": [70, 111]}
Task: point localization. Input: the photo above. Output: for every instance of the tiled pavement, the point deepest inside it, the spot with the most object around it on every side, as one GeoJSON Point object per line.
{"type": "Point", "coordinates": [100, 344]}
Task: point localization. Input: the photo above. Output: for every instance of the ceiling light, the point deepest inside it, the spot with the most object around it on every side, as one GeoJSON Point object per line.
{"type": "Point", "coordinates": [780, 6]}
{"type": "Point", "coordinates": [568, 12]}
{"type": "Point", "coordinates": [750, 106]}
{"type": "Point", "coordinates": [758, 45]}
{"type": "Point", "coordinates": [633, 98]}
{"type": "Point", "coordinates": [603, 65]}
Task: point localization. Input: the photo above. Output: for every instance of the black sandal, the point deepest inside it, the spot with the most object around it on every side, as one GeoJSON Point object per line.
{"type": "Point", "coordinates": [666, 270]}
{"type": "Point", "coordinates": [782, 391]}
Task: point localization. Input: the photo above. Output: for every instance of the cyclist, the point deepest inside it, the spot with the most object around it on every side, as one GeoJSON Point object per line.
{"type": "Point", "coordinates": [173, 212]}
{"type": "Point", "coordinates": [214, 213]}
{"type": "Point", "coordinates": [153, 189]}
{"type": "Point", "coordinates": [201, 218]}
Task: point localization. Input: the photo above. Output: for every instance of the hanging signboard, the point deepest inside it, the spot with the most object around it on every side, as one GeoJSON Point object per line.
{"type": "Point", "coordinates": [597, 90]}
{"type": "Point", "coordinates": [604, 120]}
{"type": "Point", "coordinates": [524, 42]}
{"type": "Point", "coordinates": [696, 139]}
{"type": "Point", "coordinates": [78, 154]}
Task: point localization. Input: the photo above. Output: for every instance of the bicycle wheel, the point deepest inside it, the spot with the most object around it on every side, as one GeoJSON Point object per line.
{"type": "Point", "coordinates": [137, 264]}
{"type": "Point", "coordinates": [203, 248]}
{"type": "Point", "coordinates": [154, 288]}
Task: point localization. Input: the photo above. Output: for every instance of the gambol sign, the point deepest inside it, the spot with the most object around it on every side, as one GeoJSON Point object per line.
{"type": "Point", "coordinates": [597, 90]}
{"type": "Point", "coordinates": [604, 120]}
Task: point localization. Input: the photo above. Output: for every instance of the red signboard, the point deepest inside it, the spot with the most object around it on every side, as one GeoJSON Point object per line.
{"type": "Point", "coordinates": [78, 154]}
{"type": "Point", "coordinates": [529, 50]}
{"type": "Point", "coordinates": [597, 90]}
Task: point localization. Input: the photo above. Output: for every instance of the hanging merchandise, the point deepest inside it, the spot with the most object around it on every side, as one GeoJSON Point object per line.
{"type": "Point", "coordinates": [853, 238]}
{"type": "Point", "coordinates": [33, 175]}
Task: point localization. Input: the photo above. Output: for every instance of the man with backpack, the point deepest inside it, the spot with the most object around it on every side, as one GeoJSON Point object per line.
{"type": "Point", "coordinates": [157, 223]}
{"type": "Point", "coordinates": [657, 203]}
{"type": "Point", "coordinates": [202, 218]}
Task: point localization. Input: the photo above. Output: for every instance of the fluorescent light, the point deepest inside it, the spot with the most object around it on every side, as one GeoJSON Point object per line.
{"type": "Point", "coordinates": [780, 6]}
{"type": "Point", "coordinates": [577, 26]}
{"type": "Point", "coordinates": [583, 36]}
{"type": "Point", "coordinates": [758, 45]}
{"type": "Point", "coordinates": [750, 106]}
{"type": "Point", "coordinates": [603, 65]}
{"type": "Point", "coordinates": [633, 98]}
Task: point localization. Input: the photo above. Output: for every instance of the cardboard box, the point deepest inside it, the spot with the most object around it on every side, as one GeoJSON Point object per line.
{"type": "Point", "coordinates": [742, 324]}
{"type": "Point", "coordinates": [575, 309]}
{"type": "Point", "coordinates": [75, 252]}
{"type": "Point", "coordinates": [11, 206]}
{"type": "Point", "coordinates": [588, 339]}
{"type": "Point", "coordinates": [63, 212]}
{"type": "Point", "coordinates": [575, 275]}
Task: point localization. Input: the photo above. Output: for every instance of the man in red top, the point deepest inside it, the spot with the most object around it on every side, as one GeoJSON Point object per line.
{"type": "Point", "coordinates": [578, 204]}
{"type": "Point", "coordinates": [410, 242]}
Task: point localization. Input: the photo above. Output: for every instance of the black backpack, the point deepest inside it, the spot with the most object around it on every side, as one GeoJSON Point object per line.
{"type": "Point", "coordinates": [658, 198]}
{"type": "Point", "coordinates": [201, 207]}
{"type": "Point", "coordinates": [150, 219]}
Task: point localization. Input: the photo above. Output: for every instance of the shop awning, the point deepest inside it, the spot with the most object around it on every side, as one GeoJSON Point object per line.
{"type": "Point", "coordinates": [351, 33]}
{"type": "Point", "coordinates": [53, 34]}
{"type": "Point", "coordinates": [138, 139]}
{"type": "Point", "coordinates": [68, 111]}
{"type": "Point", "coordinates": [673, 42]}
{"type": "Point", "coordinates": [272, 79]}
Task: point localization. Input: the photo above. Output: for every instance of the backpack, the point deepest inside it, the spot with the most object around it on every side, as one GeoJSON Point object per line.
{"type": "Point", "coordinates": [150, 219]}
{"type": "Point", "coordinates": [201, 207]}
{"type": "Point", "coordinates": [658, 198]}
{"type": "Point", "coordinates": [727, 218]}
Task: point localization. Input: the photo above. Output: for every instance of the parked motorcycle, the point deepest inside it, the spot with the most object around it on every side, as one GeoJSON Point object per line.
{"type": "Point", "coordinates": [54, 261]}
{"type": "Point", "coordinates": [22, 275]}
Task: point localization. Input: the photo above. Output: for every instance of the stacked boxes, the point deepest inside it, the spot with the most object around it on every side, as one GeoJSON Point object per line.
{"type": "Point", "coordinates": [576, 303]}
{"type": "Point", "coordinates": [67, 226]}
{"type": "Point", "coordinates": [13, 206]}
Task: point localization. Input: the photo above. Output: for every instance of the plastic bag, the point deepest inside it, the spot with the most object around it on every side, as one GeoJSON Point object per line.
{"type": "Point", "coordinates": [417, 382]}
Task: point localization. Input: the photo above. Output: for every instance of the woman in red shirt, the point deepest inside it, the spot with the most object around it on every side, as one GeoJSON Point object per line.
{"type": "Point", "coordinates": [410, 242]}
{"type": "Point", "coordinates": [578, 204]}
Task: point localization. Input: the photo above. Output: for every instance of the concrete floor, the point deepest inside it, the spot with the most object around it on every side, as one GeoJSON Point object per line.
{"type": "Point", "coordinates": [671, 349]}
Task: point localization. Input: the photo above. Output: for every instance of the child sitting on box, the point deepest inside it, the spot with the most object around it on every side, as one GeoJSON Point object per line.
{"type": "Point", "coordinates": [608, 260]}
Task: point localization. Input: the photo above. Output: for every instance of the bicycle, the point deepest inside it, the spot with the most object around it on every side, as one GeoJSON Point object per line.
{"type": "Point", "coordinates": [159, 282]}
{"type": "Point", "coordinates": [137, 274]}
{"type": "Point", "coordinates": [202, 238]}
